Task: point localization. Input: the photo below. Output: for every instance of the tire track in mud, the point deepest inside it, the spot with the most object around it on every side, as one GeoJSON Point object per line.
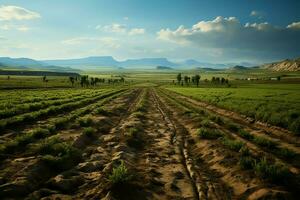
{"type": "Point", "coordinates": [200, 177]}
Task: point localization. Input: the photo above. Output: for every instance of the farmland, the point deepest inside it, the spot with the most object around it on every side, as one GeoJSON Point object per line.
{"type": "Point", "coordinates": [148, 138]}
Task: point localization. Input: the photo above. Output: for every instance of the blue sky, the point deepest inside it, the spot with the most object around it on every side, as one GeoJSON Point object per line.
{"type": "Point", "coordinates": [211, 31]}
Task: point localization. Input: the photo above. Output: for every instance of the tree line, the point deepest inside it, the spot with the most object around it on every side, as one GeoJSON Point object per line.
{"type": "Point", "coordinates": [86, 81]}
{"type": "Point", "coordinates": [195, 80]}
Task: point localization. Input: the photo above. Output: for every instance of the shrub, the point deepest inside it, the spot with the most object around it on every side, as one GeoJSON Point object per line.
{"type": "Point", "coordinates": [89, 131]}
{"type": "Point", "coordinates": [273, 172]}
{"type": "Point", "coordinates": [120, 175]}
{"type": "Point", "coordinates": [232, 144]}
{"type": "Point", "coordinates": [40, 133]}
{"type": "Point", "coordinates": [206, 133]}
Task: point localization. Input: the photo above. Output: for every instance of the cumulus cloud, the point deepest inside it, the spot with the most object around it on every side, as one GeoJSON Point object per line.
{"type": "Point", "coordinates": [294, 25]}
{"type": "Point", "coordinates": [229, 33]}
{"type": "Point", "coordinates": [121, 29]}
{"type": "Point", "coordinates": [258, 14]}
{"type": "Point", "coordinates": [16, 13]}
{"type": "Point", "coordinates": [136, 31]}
{"type": "Point", "coordinates": [104, 41]}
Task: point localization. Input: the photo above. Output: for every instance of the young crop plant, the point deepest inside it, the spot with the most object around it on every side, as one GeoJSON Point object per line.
{"type": "Point", "coordinates": [234, 145]}
{"type": "Point", "coordinates": [120, 175]}
{"type": "Point", "coordinates": [89, 132]}
{"type": "Point", "coordinates": [85, 121]}
{"type": "Point", "coordinates": [273, 172]}
{"type": "Point", "coordinates": [60, 155]}
{"type": "Point", "coordinates": [207, 133]}
{"type": "Point", "coordinates": [264, 142]}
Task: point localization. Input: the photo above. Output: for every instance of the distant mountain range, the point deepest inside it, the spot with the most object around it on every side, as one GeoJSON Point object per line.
{"type": "Point", "coordinates": [137, 63]}
{"type": "Point", "coordinates": [27, 63]}
{"type": "Point", "coordinates": [96, 62]}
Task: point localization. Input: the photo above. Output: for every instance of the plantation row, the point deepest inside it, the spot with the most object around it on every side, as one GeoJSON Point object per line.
{"type": "Point", "coordinates": [57, 147]}
{"type": "Point", "coordinates": [253, 154]}
{"type": "Point", "coordinates": [11, 98]}
{"type": "Point", "coordinates": [278, 107]}
{"type": "Point", "coordinates": [52, 110]}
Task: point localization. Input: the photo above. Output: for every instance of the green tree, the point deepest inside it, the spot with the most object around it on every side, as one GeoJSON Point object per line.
{"type": "Point", "coordinates": [179, 78]}
{"type": "Point", "coordinates": [197, 79]}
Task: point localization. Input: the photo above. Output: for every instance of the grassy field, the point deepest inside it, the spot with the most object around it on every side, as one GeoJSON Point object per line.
{"type": "Point", "coordinates": [277, 104]}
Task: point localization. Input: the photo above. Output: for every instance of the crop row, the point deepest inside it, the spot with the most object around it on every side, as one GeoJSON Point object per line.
{"type": "Point", "coordinates": [30, 107]}
{"type": "Point", "coordinates": [31, 117]}
{"type": "Point", "coordinates": [25, 138]}
{"type": "Point", "coordinates": [208, 131]}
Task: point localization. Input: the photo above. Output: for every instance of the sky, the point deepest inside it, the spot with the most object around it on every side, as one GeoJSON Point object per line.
{"type": "Point", "coordinates": [216, 31]}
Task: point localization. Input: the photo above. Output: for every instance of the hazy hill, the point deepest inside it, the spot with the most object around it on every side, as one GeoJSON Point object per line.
{"type": "Point", "coordinates": [285, 65]}
{"type": "Point", "coordinates": [27, 63]}
{"type": "Point", "coordinates": [89, 61]}
{"type": "Point", "coordinates": [163, 68]}
{"type": "Point", "coordinates": [19, 62]}
{"type": "Point", "coordinates": [239, 67]}
{"type": "Point", "coordinates": [147, 62]}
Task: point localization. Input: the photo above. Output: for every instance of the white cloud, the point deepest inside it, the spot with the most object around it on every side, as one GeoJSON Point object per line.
{"type": "Point", "coordinates": [113, 28]}
{"type": "Point", "coordinates": [121, 29]}
{"type": "Point", "coordinates": [294, 25]}
{"type": "Point", "coordinates": [228, 33]}
{"type": "Point", "coordinates": [7, 27]}
{"type": "Point", "coordinates": [16, 13]}
{"type": "Point", "coordinates": [102, 41]}
{"type": "Point", "coordinates": [258, 14]}
{"type": "Point", "coordinates": [126, 18]}
{"type": "Point", "coordinates": [136, 31]}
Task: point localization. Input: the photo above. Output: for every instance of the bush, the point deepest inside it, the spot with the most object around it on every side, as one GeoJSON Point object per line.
{"type": "Point", "coordinates": [232, 144]}
{"type": "Point", "coordinates": [273, 172]}
{"type": "Point", "coordinates": [120, 175]}
{"type": "Point", "coordinates": [206, 133]}
{"type": "Point", "coordinates": [295, 126]}
{"type": "Point", "coordinates": [89, 132]}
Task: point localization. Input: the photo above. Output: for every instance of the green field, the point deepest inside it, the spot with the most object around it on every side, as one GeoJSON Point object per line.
{"type": "Point", "coordinates": [277, 104]}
